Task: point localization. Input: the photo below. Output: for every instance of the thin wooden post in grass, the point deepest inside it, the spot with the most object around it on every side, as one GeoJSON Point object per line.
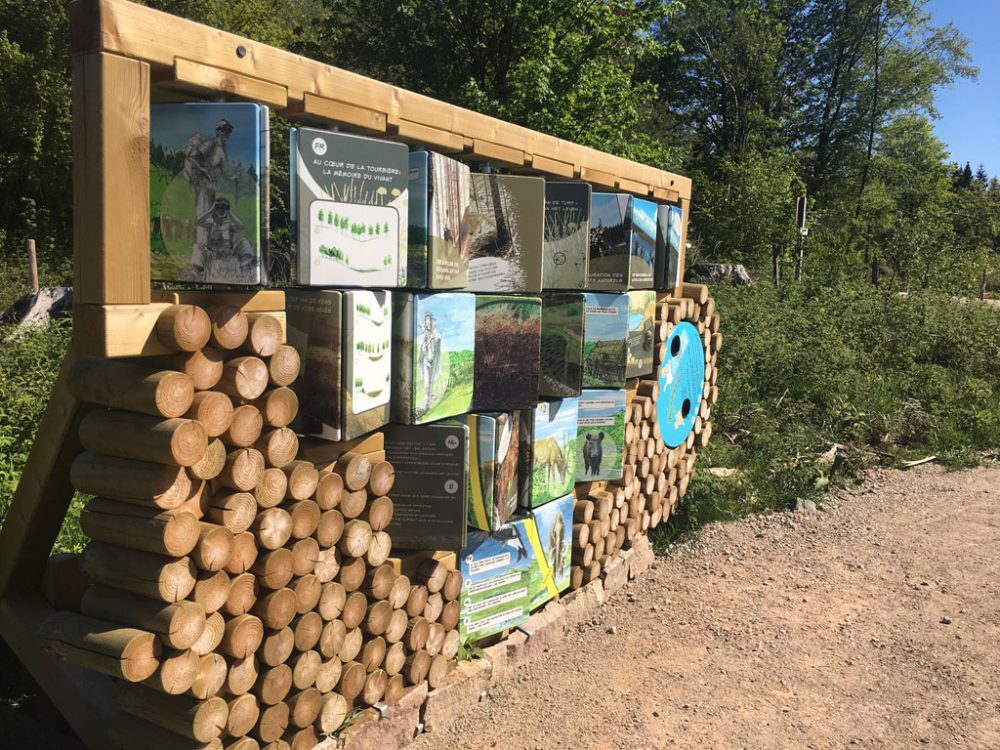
{"type": "Point", "coordinates": [33, 262]}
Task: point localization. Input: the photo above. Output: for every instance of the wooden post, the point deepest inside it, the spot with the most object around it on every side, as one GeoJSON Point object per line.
{"type": "Point", "coordinates": [33, 262]}
{"type": "Point", "coordinates": [111, 256]}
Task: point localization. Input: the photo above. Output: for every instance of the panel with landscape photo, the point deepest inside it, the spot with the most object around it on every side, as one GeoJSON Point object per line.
{"type": "Point", "coordinates": [643, 244]}
{"type": "Point", "coordinates": [507, 232]}
{"type": "Point", "coordinates": [605, 340]}
{"type": "Point", "coordinates": [641, 309]}
{"type": "Point", "coordinates": [207, 202]}
{"type": "Point", "coordinates": [610, 229]}
{"type": "Point", "coordinates": [561, 358]}
{"type": "Point", "coordinates": [508, 333]}
{"type": "Point", "coordinates": [552, 451]}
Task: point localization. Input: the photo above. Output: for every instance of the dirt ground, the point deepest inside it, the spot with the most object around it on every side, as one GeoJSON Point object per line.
{"type": "Point", "coordinates": [874, 623]}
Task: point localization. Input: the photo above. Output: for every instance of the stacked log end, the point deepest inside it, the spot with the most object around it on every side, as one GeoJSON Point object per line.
{"type": "Point", "coordinates": [238, 594]}
{"type": "Point", "coordinates": [610, 516]}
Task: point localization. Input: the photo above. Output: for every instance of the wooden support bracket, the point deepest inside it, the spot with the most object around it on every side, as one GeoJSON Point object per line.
{"type": "Point", "coordinates": [205, 80]}
{"type": "Point", "coordinates": [318, 110]}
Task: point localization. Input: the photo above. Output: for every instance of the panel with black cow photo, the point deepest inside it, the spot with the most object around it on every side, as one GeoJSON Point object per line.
{"type": "Point", "coordinates": [548, 451]}
{"type": "Point", "coordinates": [600, 435]}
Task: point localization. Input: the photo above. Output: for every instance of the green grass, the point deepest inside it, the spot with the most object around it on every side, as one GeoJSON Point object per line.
{"type": "Point", "coordinates": [888, 378]}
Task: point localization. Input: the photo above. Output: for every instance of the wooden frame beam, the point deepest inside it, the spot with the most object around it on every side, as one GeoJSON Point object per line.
{"type": "Point", "coordinates": [159, 39]}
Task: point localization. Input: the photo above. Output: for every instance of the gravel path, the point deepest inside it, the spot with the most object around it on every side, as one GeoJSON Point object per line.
{"type": "Point", "coordinates": [874, 623]}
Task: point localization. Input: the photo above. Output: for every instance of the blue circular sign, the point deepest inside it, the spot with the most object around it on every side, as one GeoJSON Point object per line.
{"type": "Point", "coordinates": [682, 384]}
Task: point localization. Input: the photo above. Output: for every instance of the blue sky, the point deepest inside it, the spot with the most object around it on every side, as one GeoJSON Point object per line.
{"type": "Point", "coordinates": [970, 110]}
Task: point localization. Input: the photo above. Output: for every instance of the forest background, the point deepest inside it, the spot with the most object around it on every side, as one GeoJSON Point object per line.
{"type": "Point", "coordinates": [758, 102]}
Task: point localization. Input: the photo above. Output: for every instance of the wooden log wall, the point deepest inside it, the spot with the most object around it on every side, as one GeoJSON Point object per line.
{"type": "Point", "coordinates": [609, 516]}
{"type": "Point", "coordinates": [241, 596]}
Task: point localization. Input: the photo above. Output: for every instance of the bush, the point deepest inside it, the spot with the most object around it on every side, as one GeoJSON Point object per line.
{"type": "Point", "coordinates": [29, 365]}
{"type": "Point", "coordinates": [887, 377]}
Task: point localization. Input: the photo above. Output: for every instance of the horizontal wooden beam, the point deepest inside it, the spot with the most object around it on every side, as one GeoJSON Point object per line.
{"type": "Point", "coordinates": [117, 331]}
{"type": "Point", "coordinates": [84, 698]}
{"type": "Point", "coordinates": [322, 111]}
{"type": "Point", "coordinates": [160, 39]}
{"type": "Point", "coordinates": [423, 135]}
{"type": "Point", "coordinates": [204, 80]}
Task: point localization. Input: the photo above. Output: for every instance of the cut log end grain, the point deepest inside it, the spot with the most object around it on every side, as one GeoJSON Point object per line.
{"type": "Point", "coordinates": [274, 569]}
{"type": "Point", "coordinates": [328, 675]}
{"type": "Point", "coordinates": [177, 673]}
{"type": "Point", "coordinates": [332, 713]}
{"type": "Point", "coordinates": [245, 426]}
{"type": "Point", "coordinates": [304, 515]}
{"type": "Point", "coordinates": [352, 573]}
{"type": "Point", "coordinates": [211, 590]}
{"type": "Point", "coordinates": [353, 503]}
{"type": "Point", "coordinates": [378, 513]}
{"type": "Point", "coordinates": [242, 595]}
{"type": "Point", "coordinates": [353, 640]}
{"type": "Point", "coordinates": [433, 574]}
{"type": "Point", "coordinates": [243, 470]}
{"type": "Point", "coordinates": [283, 366]}
{"type": "Point", "coordinates": [450, 614]}
{"type": "Point", "coordinates": [399, 592]}
{"type": "Point", "coordinates": [331, 640]}
{"type": "Point", "coordinates": [329, 489]}
{"type": "Point", "coordinates": [276, 609]}
{"type": "Point", "coordinates": [307, 629]}
{"type": "Point", "coordinates": [203, 721]}
{"type": "Point", "coordinates": [244, 552]}
{"type": "Point", "coordinates": [305, 667]}
{"type": "Point", "coordinates": [379, 581]}
{"type": "Point", "coordinates": [417, 632]}
{"type": "Point", "coordinates": [126, 653]}
{"type": "Point", "coordinates": [131, 387]}
{"type": "Point", "coordinates": [356, 538]}
{"type": "Point", "coordinates": [328, 565]}
{"type": "Point", "coordinates": [273, 528]}
{"type": "Point", "coordinates": [452, 586]}
{"type": "Point", "coordinates": [243, 636]}
{"type": "Point", "coordinates": [355, 468]}
{"type": "Point", "coordinates": [375, 686]}
{"type": "Point", "coordinates": [303, 479]}
{"type": "Point", "coordinates": [279, 446]}
{"type": "Point", "coordinates": [271, 489]}
{"type": "Point", "coordinates": [277, 647]}
{"type": "Point", "coordinates": [273, 723]}
{"type": "Point", "coordinates": [211, 676]}
{"type": "Point", "coordinates": [204, 366]}
{"type": "Point", "coordinates": [144, 573]}
{"type": "Point", "coordinates": [211, 464]}
{"type": "Point", "coordinates": [235, 511]}
{"type": "Point", "coordinates": [452, 641]}
{"type": "Point", "coordinates": [305, 556]}
{"type": "Point", "coordinates": [416, 667]}
{"type": "Point", "coordinates": [435, 638]}
{"type": "Point", "coordinates": [215, 547]}
{"type": "Point", "coordinates": [185, 328]}
{"type": "Point", "coordinates": [395, 658]}
{"type": "Point", "coordinates": [213, 410]}
{"type": "Point", "coordinates": [211, 635]}
{"type": "Point", "coordinates": [307, 590]}
{"type": "Point", "coordinates": [274, 685]}
{"type": "Point", "coordinates": [229, 326]}
{"type": "Point", "coordinates": [416, 602]}
{"type": "Point", "coordinates": [176, 442]}
{"type": "Point", "coordinates": [330, 528]}
{"type": "Point", "coordinates": [244, 377]}
{"type": "Point", "coordinates": [382, 479]}
{"type": "Point", "coordinates": [145, 529]}
{"type": "Point", "coordinates": [305, 706]}
{"type": "Point", "coordinates": [243, 715]}
{"type": "Point", "coordinates": [438, 671]}
{"type": "Point", "coordinates": [373, 653]}
{"type": "Point", "coordinates": [278, 406]}
{"type": "Point", "coordinates": [396, 629]}
{"type": "Point", "coordinates": [242, 675]}
{"type": "Point", "coordinates": [139, 482]}
{"type": "Point", "coordinates": [435, 604]}
{"type": "Point", "coordinates": [352, 680]}
{"type": "Point", "coordinates": [264, 336]}
{"type": "Point", "coordinates": [379, 548]}
{"type": "Point", "coordinates": [394, 690]}
{"type": "Point", "coordinates": [178, 625]}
